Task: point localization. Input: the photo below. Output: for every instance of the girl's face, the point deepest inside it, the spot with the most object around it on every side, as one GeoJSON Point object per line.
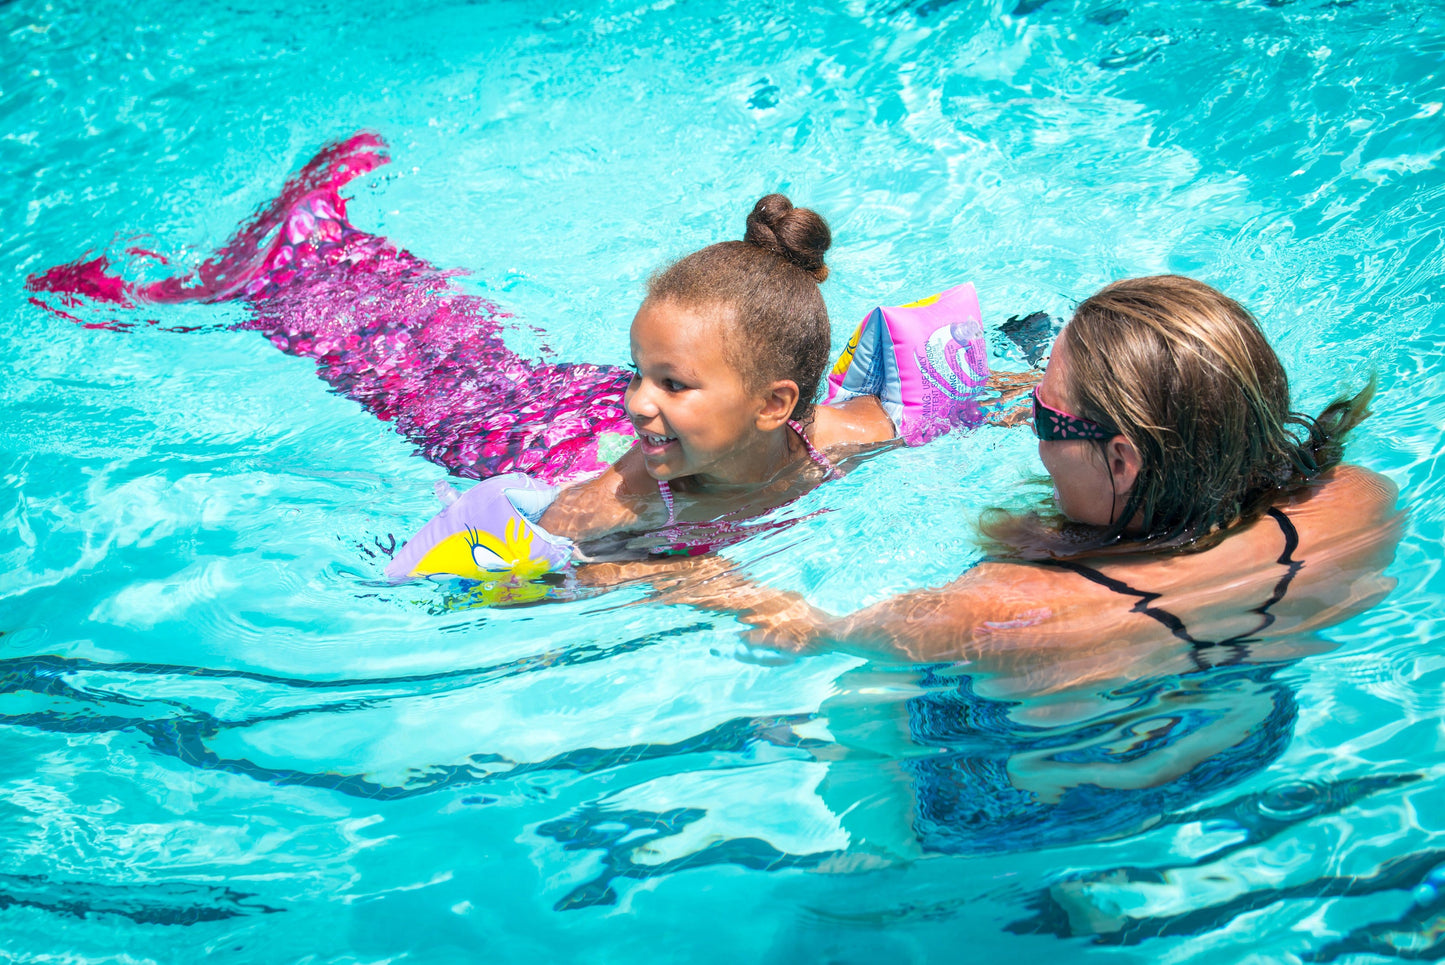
{"type": "Point", "coordinates": [1084, 487]}
{"type": "Point", "coordinates": [693, 411]}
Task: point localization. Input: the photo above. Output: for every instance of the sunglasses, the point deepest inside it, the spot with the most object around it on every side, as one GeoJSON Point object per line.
{"type": "Point", "coordinates": [1056, 425]}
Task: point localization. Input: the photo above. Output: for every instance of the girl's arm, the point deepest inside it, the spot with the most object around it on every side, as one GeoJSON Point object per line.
{"type": "Point", "coordinates": [856, 421]}
{"type": "Point", "coordinates": [623, 497]}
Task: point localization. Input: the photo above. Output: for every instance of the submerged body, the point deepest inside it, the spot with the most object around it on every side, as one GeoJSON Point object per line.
{"type": "Point", "coordinates": [1043, 625]}
{"type": "Point", "coordinates": [1317, 558]}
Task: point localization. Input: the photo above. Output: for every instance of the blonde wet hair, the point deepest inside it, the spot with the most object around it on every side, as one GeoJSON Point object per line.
{"type": "Point", "coordinates": [1184, 373]}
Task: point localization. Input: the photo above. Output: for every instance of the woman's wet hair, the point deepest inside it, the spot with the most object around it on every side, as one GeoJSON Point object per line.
{"type": "Point", "coordinates": [768, 286]}
{"type": "Point", "coordinates": [1185, 374]}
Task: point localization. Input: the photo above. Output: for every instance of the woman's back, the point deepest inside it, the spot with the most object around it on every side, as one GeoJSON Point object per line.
{"type": "Point", "coordinates": [1313, 560]}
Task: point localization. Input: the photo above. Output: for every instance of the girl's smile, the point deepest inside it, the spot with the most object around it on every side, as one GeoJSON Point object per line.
{"type": "Point", "coordinates": [654, 445]}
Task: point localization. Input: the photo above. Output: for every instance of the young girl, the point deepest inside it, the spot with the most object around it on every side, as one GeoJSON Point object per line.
{"type": "Point", "coordinates": [729, 351]}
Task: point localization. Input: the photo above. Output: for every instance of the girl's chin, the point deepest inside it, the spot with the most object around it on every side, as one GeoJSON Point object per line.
{"type": "Point", "coordinates": [661, 467]}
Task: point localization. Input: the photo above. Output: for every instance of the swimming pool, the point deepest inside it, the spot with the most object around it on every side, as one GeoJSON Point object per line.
{"type": "Point", "coordinates": [221, 734]}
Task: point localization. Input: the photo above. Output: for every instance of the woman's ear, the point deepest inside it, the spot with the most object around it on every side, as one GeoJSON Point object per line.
{"type": "Point", "coordinates": [1124, 464]}
{"type": "Point", "coordinates": [779, 399]}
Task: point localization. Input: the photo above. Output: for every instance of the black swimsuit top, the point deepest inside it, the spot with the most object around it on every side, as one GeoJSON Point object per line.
{"type": "Point", "coordinates": [1176, 626]}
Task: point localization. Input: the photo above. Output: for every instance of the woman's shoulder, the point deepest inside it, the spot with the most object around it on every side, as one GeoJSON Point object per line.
{"type": "Point", "coordinates": [1344, 509]}
{"type": "Point", "coordinates": [1318, 558]}
{"type": "Point", "coordinates": [1356, 494]}
{"type": "Point", "coordinates": [1320, 544]}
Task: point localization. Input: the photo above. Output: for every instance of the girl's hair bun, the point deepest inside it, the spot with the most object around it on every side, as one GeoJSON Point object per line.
{"type": "Point", "coordinates": [799, 235]}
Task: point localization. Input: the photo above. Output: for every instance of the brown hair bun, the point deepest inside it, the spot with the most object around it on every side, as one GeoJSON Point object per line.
{"type": "Point", "coordinates": [799, 235]}
{"type": "Point", "coordinates": [778, 323]}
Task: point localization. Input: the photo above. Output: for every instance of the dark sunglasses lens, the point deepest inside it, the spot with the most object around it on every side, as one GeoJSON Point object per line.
{"type": "Point", "coordinates": [1043, 428]}
{"type": "Point", "coordinates": [1051, 425]}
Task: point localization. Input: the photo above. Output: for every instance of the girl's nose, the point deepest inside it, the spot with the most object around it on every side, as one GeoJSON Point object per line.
{"type": "Point", "coordinates": [639, 402]}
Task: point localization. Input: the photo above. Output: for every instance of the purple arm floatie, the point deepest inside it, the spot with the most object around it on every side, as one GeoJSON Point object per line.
{"type": "Point", "coordinates": [490, 532]}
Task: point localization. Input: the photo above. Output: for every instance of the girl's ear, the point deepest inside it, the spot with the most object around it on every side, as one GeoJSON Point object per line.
{"type": "Point", "coordinates": [779, 400]}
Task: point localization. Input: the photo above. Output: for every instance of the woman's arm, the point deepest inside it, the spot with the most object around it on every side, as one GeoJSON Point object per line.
{"type": "Point", "coordinates": [1147, 612]}
{"type": "Point", "coordinates": [1031, 629]}
{"type": "Point", "coordinates": [952, 622]}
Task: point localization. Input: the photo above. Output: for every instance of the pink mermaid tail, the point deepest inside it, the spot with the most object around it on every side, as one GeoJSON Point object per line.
{"type": "Point", "coordinates": [389, 330]}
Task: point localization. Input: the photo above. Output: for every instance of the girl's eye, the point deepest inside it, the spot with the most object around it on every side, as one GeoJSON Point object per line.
{"type": "Point", "coordinates": [672, 385]}
{"type": "Point", "coordinates": [632, 367]}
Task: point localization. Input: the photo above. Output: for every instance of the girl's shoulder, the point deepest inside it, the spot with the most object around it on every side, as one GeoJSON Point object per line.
{"type": "Point", "coordinates": [858, 420]}
{"type": "Point", "coordinates": [622, 497]}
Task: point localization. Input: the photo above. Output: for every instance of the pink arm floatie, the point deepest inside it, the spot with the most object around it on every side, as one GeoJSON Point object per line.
{"type": "Point", "coordinates": [926, 362]}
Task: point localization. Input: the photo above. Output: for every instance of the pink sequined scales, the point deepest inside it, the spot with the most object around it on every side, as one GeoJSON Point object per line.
{"type": "Point", "coordinates": [387, 329]}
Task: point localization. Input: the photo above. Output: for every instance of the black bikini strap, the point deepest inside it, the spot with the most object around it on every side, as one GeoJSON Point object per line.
{"type": "Point", "coordinates": [1144, 604]}
{"type": "Point", "coordinates": [1169, 620]}
{"type": "Point", "coordinates": [1291, 537]}
{"type": "Point", "coordinates": [1287, 560]}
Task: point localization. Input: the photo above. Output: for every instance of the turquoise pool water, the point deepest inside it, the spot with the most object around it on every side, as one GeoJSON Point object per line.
{"type": "Point", "coordinates": [219, 735]}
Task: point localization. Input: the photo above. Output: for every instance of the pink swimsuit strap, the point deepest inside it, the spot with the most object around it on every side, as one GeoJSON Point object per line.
{"type": "Point", "coordinates": [817, 456]}
{"type": "Point", "coordinates": [665, 491]}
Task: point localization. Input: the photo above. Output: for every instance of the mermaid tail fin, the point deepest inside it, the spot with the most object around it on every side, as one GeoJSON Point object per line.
{"type": "Point", "coordinates": [228, 273]}
{"type": "Point", "coordinates": [311, 192]}
{"type": "Point", "coordinates": [386, 329]}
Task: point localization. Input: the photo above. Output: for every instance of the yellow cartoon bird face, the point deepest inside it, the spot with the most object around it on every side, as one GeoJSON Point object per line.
{"type": "Point", "coordinates": [477, 555]}
{"type": "Point", "coordinates": [512, 554]}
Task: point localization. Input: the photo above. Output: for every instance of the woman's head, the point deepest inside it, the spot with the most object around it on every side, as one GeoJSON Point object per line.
{"type": "Point", "coordinates": [745, 318]}
{"type": "Point", "coordinates": [1195, 411]}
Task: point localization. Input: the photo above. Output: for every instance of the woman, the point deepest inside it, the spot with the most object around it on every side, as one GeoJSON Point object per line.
{"type": "Point", "coordinates": [1190, 505]}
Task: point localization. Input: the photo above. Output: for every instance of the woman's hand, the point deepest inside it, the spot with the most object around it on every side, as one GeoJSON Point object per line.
{"type": "Point", "coordinates": [779, 619]}
{"type": "Point", "coordinates": [1008, 408]}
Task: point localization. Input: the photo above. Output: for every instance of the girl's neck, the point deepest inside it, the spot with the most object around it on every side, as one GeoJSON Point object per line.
{"type": "Point", "coordinates": [767, 457]}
